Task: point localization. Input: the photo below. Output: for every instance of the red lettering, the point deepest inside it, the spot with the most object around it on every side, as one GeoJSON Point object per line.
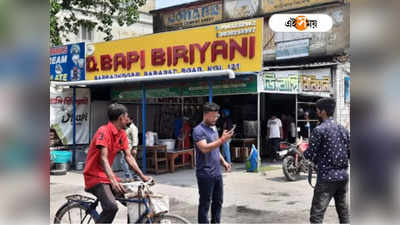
{"type": "Point", "coordinates": [234, 46]}
{"type": "Point", "coordinates": [180, 52]}
{"type": "Point", "coordinates": [169, 56]}
{"type": "Point", "coordinates": [131, 57]}
{"type": "Point", "coordinates": [202, 50]}
{"type": "Point", "coordinates": [157, 57]}
{"type": "Point", "coordinates": [119, 59]}
{"type": "Point", "coordinates": [215, 51]}
{"type": "Point", "coordinates": [252, 47]}
{"type": "Point", "coordinates": [142, 59]}
{"type": "Point", "coordinates": [191, 53]}
{"type": "Point", "coordinates": [106, 62]}
{"type": "Point", "coordinates": [91, 64]}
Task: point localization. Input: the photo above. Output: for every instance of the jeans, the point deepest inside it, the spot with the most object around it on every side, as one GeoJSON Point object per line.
{"type": "Point", "coordinates": [274, 146]}
{"type": "Point", "coordinates": [226, 151]}
{"type": "Point", "coordinates": [323, 193]}
{"type": "Point", "coordinates": [210, 191]}
{"type": "Point", "coordinates": [125, 166]}
{"type": "Point", "coordinates": [107, 200]}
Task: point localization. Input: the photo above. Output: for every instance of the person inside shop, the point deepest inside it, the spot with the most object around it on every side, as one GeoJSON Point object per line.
{"type": "Point", "coordinates": [208, 164]}
{"type": "Point", "coordinates": [177, 124]}
{"type": "Point", "coordinates": [292, 129]}
{"type": "Point", "coordinates": [133, 140]}
{"type": "Point", "coordinates": [99, 178]}
{"type": "Point", "coordinates": [274, 134]}
{"type": "Point", "coordinates": [185, 134]}
{"type": "Point", "coordinates": [225, 123]}
{"type": "Point", "coordinates": [285, 126]}
{"type": "Point", "coordinates": [329, 149]}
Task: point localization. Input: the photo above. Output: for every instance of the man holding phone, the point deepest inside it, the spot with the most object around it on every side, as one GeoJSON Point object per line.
{"type": "Point", "coordinates": [208, 164]}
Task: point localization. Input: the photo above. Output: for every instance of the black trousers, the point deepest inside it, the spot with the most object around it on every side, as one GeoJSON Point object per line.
{"type": "Point", "coordinates": [274, 146]}
{"type": "Point", "coordinates": [107, 199]}
{"type": "Point", "coordinates": [210, 191]}
{"type": "Point", "coordinates": [323, 193]}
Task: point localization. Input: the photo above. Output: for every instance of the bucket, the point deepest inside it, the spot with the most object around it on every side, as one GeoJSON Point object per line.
{"type": "Point", "coordinates": [61, 156]}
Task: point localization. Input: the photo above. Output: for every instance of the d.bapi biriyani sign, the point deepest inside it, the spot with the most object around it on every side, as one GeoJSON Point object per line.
{"type": "Point", "coordinates": [235, 45]}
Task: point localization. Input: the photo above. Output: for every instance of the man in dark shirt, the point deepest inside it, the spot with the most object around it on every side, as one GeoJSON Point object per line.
{"type": "Point", "coordinates": [208, 164]}
{"type": "Point", "coordinates": [329, 150]}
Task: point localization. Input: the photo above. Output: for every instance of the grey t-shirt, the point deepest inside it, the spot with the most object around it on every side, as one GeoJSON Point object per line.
{"type": "Point", "coordinates": [207, 164]}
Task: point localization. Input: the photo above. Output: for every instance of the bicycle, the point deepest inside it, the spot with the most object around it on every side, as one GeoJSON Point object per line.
{"type": "Point", "coordinates": [85, 208]}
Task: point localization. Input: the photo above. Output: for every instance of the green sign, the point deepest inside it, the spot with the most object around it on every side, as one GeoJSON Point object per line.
{"type": "Point", "coordinates": [243, 84]}
{"type": "Point", "coordinates": [280, 81]}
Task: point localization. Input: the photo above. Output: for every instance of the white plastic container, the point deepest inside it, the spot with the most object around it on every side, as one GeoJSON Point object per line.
{"type": "Point", "coordinates": [170, 143]}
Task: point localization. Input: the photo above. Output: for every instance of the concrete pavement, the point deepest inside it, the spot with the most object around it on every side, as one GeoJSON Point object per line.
{"type": "Point", "coordinates": [248, 197]}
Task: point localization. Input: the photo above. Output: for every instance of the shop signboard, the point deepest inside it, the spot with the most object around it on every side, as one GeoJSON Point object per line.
{"type": "Point", "coordinates": [240, 8]}
{"type": "Point", "coordinates": [234, 45]}
{"type": "Point", "coordinates": [207, 13]}
{"type": "Point", "coordinates": [61, 114]}
{"type": "Point", "coordinates": [151, 92]}
{"type": "Point", "coordinates": [67, 62]}
{"type": "Point", "coordinates": [316, 80]}
{"type": "Point", "coordinates": [271, 6]}
{"type": "Point", "coordinates": [241, 85]}
{"type": "Point", "coordinates": [292, 49]}
{"type": "Point", "coordinates": [347, 89]}
{"type": "Point", "coordinates": [279, 81]}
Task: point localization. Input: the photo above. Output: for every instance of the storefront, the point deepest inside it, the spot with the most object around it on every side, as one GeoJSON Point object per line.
{"type": "Point", "coordinates": [290, 94]}
{"type": "Point", "coordinates": [165, 77]}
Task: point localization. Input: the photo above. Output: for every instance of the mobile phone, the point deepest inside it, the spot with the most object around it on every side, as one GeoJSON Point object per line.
{"type": "Point", "coordinates": [233, 127]}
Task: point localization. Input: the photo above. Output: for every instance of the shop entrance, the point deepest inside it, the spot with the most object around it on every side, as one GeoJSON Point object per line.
{"type": "Point", "coordinates": [282, 106]}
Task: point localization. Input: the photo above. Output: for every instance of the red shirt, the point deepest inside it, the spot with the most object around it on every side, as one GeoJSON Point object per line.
{"type": "Point", "coordinates": [114, 140]}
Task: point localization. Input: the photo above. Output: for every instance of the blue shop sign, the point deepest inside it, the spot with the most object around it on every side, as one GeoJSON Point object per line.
{"type": "Point", "coordinates": [67, 62]}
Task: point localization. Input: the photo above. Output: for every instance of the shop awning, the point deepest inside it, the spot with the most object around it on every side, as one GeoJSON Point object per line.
{"type": "Point", "coordinates": [154, 78]}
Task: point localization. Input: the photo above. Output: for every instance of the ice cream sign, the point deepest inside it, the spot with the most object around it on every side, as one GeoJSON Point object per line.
{"type": "Point", "coordinates": [67, 62]}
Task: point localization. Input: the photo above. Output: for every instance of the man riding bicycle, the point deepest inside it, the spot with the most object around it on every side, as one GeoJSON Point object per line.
{"type": "Point", "coordinates": [100, 180]}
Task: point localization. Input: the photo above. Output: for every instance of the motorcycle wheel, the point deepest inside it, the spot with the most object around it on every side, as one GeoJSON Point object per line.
{"type": "Point", "coordinates": [289, 168]}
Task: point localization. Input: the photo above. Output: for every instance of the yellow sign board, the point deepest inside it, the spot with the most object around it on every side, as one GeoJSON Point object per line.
{"type": "Point", "coordinates": [235, 45]}
{"type": "Point", "coordinates": [270, 6]}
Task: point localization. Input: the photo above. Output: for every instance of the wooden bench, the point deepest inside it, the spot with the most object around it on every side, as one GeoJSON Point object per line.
{"type": "Point", "coordinates": [172, 155]}
{"type": "Point", "coordinates": [156, 158]}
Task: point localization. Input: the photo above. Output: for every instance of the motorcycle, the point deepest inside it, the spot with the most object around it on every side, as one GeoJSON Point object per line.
{"type": "Point", "coordinates": [294, 162]}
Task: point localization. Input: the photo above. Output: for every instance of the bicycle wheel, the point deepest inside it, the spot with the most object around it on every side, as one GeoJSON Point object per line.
{"type": "Point", "coordinates": [169, 219]}
{"type": "Point", "coordinates": [73, 213]}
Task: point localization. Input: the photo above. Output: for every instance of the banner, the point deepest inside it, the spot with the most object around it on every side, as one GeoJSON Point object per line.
{"type": "Point", "coordinates": [234, 45]}
{"type": "Point", "coordinates": [207, 13]}
{"type": "Point", "coordinates": [270, 6]}
{"type": "Point", "coordinates": [244, 84]}
{"type": "Point", "coordinates": [279, 81]}
{"type": "Point", "coordinates": [292, 49]}
{"type": "Point", "coordinates": [317, 80]}
{"type": "Point", "coordinates": [67, 62]}
{"type": "Point", "coordinates": [61, 114]}
{"type": "Point", "coordinates": [347, 89]}
{"type": "Point", "coordinates": [234, 9]}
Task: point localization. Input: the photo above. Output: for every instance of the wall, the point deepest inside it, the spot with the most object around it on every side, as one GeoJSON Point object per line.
{"type": "Point", "coordinates": [342, 112]}
{"type": "Point", "coordinates": [321, 43]}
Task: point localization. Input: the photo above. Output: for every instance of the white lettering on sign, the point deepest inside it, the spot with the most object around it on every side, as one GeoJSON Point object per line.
{"type": "Point", "coordinates": [58, 59]}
